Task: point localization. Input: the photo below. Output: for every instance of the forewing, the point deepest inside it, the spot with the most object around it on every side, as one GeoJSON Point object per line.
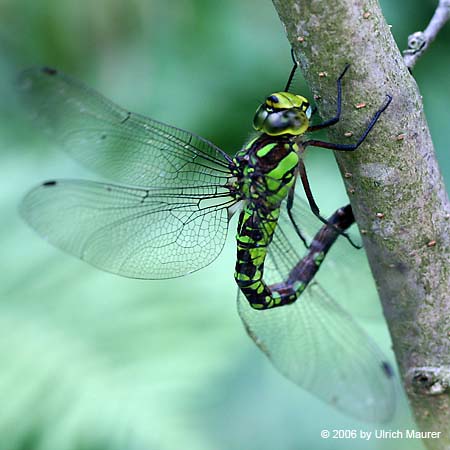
{"type": "Point", "coordinates": [120, 145]}
{"type": "Point", "coordinates": [316, 344]}
{"type": "Point", "coordinates": [138, 233]}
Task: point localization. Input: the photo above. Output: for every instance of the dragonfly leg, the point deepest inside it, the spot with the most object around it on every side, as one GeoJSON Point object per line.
{"type": "Point", "coordinates": [313, 204]}
{"type": "Point", "coordinates": [308, 192]}
{"type": "Point", "coordinates": [290, 203]}
{"type": "Point", "coordinates": [351, 147]}
{"type": "Point", "coordinates": [293, 70]}
{"type": "Point", "coordinates": [335, 119]}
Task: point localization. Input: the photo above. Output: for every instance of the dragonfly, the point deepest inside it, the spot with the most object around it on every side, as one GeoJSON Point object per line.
{"type": "Point", "coordinates": [165, 211]}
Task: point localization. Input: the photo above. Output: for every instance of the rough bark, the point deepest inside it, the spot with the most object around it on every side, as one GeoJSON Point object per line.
{"type": "Point", "coordinates": [394, 185]}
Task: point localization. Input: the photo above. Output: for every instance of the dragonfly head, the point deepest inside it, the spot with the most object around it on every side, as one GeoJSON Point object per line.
{"type": "Point", "coordinates": [283, 113]}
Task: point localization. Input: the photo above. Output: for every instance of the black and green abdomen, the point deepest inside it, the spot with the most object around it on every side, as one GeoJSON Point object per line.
{"type": "Point", "coordinates": [267, 169]}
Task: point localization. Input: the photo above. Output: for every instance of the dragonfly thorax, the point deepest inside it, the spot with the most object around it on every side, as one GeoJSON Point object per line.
{"type": "Point", "coordinates": [283, 113]}
{"type": "Point", "coordinates": [265, 170]}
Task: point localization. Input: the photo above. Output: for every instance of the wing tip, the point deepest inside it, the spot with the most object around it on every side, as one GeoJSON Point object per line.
{"type": "Point", "coordinates": [27, 203]}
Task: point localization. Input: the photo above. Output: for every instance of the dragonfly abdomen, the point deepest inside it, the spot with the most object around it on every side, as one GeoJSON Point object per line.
{"type": "Point", "coordinates": [250, 265]}
{"type": "Point", "coordinates": [265, 169]}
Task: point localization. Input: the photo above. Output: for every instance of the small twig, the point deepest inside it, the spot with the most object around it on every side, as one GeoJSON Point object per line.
{"type": "Point", "coordinates": [419, 41]}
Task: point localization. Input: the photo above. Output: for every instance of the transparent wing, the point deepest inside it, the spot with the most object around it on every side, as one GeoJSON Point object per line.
{"type": "Point", "coordinates": [318, 345]}
{"type": "Point", "coordinates": [135, 232]}
{"type": "Point", "coordinates": [119, 145]}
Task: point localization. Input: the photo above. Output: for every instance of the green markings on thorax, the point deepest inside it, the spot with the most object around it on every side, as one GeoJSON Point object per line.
{"type": "Point", "coordinates": [286, 166]}
{"type": "Point", "coordinates": [263, 151]}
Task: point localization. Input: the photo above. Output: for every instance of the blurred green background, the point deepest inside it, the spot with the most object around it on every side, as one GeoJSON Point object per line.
{"type": "Point", "coordinates": [91, 361]}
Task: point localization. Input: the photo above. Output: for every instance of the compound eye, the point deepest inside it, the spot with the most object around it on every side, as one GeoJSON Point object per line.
{"type": "Point", "coordinates": [273, 99]}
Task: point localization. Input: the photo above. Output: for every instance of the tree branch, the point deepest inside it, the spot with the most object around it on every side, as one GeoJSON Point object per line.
{"type": "Point", "coordinates": [395, 187]}
{"type": "Point", "coordinates": [419, 41]}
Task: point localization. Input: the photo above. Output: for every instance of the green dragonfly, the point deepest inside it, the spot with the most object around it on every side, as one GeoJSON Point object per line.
{"type": "Point", "coordinates": [167, 212]}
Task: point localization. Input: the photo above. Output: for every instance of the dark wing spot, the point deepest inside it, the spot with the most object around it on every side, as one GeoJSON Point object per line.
{"type": "Point", "coordinates": [103, 136]}
{"type": "Point", "coordinates": [387, 368]}
{"type": "Point", "coordinates": [49, 71]}
{"type": "Point", "coordinates": [49, 183]}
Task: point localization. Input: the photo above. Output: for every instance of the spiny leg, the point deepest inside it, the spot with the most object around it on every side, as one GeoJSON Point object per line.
{"type": "Point", "coordinates": [336, 118]}
{"type": "Point", "coordinates": [313, 204]}
{"type": "Point", "coordinates": [290, 203]}
{"type": "Point", "coordinates": [293, 70]}
{"type": "Point", "coordinates": [307, 189]}
{"type": "Point", "coordinates": [351, 147]}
